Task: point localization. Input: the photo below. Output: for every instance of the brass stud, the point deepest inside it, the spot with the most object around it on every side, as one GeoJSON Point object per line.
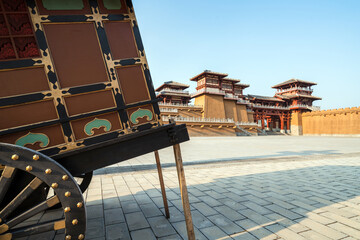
{"type": "Point", "coordinates": [68, 237]}
{"type": "Point", "coordinates": [65, 177]}
{"type": "Point", "coordinates": [74, 222]}
{"type": "Point", "coordinates": [67, 194]}
{"type": "Point", "coordinates": [15, 157]}
{"type": "Point", "coordinates": [48, 171]}
{"type": "Point", "coordinates": [54, 185]}
{"type": "Point", "coordinates": [36, 157]}
{"type": "Point", "coordinates": [28, 168]}
{"type": "Point", "coordinates": [67, 209]}
{"type": "Point", "coordinates": [79, 204]}
{"type": "Point", "coordinates": [81, 237]}
{"type": "Point", "coordinates": [0, 220]}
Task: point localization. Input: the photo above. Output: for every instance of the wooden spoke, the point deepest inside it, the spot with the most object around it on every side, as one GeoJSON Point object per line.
{"type": "Point", "coordinates": [37, 228]}
{"type": "Point", "coordinates": [24, 194]}
{"type": "Point", "coordinates": [38, 196]}
{"type": "Point", "coordinates": [33, 211]}
{"type": "Point", "coordinates": [84, 180]}
{"type": "Point", "coordinates": [5, 180]}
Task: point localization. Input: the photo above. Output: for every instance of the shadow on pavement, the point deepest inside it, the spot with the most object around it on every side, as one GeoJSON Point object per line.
{"type": "Point", "coordinates": [284, 155]}
{"type": "Point", "coordinates": [293, 204]}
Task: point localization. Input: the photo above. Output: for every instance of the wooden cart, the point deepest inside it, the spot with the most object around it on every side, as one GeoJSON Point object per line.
{"type": "Point", "coordinates": [76, 95]}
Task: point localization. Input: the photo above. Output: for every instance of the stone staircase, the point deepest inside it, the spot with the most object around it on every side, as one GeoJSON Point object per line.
{"type": "Point", "coordinates": [272, 133]}
{"type": "Point", "coordinates": [249, 131]}
{"type": "Point", "coordinates": [240, 131]}
{"type": "Point", "coordinates": [256, 131]}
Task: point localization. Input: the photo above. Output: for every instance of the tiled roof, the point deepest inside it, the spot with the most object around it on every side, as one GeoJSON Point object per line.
{"type": "Point", "coordinates": [242, 85]}
{"type": "Point", "coordinates": [174, 94]}
{"type": "Point", "coordinates": [293, 80]}
{"type": "Point", "coordinates": [208, 71]}
{"type": "Point", "coordinates": [264, 98]}
{"type": "Point", "coordinates": [231, 79]}
{"type": "Point", "coordinates": [216, 73]}
{"type": "Point", "coordinates": [172, 83]}
{"type": "Point", "coordinates": [288, 96]}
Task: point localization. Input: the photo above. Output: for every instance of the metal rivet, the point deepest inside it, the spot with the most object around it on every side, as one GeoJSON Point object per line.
{"type": "Point", "coordinates": [65, 177]}
{"type": "Point", "coordinates": [81, 237]}
{"type": "Point", "coordinates": [68, 237]}
{"type": "Point", "coordinates": [74, 222]}
{"type": "Point", "coordinates": [54, 185]}
{"type": "Point", "coordinates": [15, 157]}
{"type": "Point", "coordinates": [48, 171]}
{"type": "Point", "coordinates": [79, 204]}
{"type": "Point", "coordinates": [28, 168]}
{"type": "Point", "coordinates": [36, 157]}
{"type": "Point", "coordinates": [67, 194]}
{"type": "Point", "coordinates": [67, 209]}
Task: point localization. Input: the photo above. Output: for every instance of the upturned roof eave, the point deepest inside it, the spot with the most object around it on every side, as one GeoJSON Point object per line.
{"type": "Point", "coordinates": [293, 80]}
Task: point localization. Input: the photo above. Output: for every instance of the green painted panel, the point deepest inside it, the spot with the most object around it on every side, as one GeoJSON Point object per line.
{"type": "Point", "coordinates": [63, 4]}
{"type": "Point", "coordinates": [97, 123]}
{"type": "Point", "coordinates": [140, 113]}
{"type": "Point", "coordinates": [112, 4]}
{"type": "Point", "coordinates": [32, 138]}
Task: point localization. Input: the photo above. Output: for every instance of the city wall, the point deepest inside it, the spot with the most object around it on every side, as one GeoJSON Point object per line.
{"type": "Point", "coordinates": [332, 122]}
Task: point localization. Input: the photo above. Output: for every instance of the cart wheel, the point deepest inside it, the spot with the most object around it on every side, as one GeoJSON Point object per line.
{"type": "Point", "coordinates": [25, 212]}
{"type": "Point", "coordinates": [84, 180]}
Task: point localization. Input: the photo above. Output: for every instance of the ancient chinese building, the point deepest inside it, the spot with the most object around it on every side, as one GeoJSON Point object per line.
{"type": "Point", "coordinates": [221, 97]}
{"type": "Point", "coordinates": [220, 100]}
{"type": "Point", "coordinates": [298, 95]}
{"type": "Point", "coordinates": [272, 112]}
{"type": "Point", "coordinates": [173, 92]}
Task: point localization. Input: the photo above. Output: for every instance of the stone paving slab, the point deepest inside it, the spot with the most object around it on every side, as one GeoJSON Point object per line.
{"type": "Point", "coordinates": [208, 150]}
{"type": "Point", "coordinates": [301, 199]}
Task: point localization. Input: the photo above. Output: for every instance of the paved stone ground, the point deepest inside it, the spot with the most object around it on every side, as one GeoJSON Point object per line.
{"type": "Point", "coordinates": [225, 149]}
{"type": "Point", "coordinates": [308, 195]}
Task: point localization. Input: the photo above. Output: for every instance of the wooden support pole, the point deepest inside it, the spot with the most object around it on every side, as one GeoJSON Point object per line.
{"type": "Point", "coordinates": [288, 123]}
{"type": "Point", "coordinates": [184, 193]}
{"type": "Point", "coordinates": [282, 123]}
{"type": "Point", "coordinates": [162, 185]}
{"type": "Point", "coordinates": [262, 122]}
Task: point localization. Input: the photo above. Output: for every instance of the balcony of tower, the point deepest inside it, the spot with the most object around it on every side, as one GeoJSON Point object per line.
{"type": "Point", "coordinates": [294, 90]}
{"type": "Point", "coordinates": [172, 90]}
{"type": "Point", "coordinates": [208, 90]}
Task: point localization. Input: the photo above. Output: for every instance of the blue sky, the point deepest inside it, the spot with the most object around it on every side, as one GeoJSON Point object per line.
{"type": "Point", "coordinates": [261, 42]}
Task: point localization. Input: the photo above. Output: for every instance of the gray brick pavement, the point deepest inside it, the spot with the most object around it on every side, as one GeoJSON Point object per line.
{"type": "Point", "coordinates": [301, 199]}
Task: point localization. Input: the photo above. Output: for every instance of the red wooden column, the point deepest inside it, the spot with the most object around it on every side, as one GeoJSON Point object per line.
{"type": "Point", "coordinates": [282, 124]}
{"type": "Point", "coordinates": [288, 124]}
{"type": "Point", "coordinates": [268, 121]}
{"type": "Point", "coordinates": [262, 122]}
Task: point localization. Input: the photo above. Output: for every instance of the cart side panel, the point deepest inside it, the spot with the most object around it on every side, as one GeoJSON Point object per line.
{"type": "Point", "coordinates": [72, 71]}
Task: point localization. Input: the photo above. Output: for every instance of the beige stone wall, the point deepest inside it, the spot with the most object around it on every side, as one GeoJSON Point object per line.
{"type": "Point", "coordinates": [332, 122]}
{"type": "Point", "coordinates": [213, 106]}
{"type": "Point", "coordinates": [242, 113]}
{"type": "Point", "coordinates": [296, 124]}
{"type": "Point", "coordinates": [250, 116]}
{"type": "Point", "coordinates": [200, 101]}
{"type": "Point", "coordinates": [230, 109]}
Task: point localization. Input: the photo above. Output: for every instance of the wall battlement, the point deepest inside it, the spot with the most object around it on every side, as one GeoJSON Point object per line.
{"type": "Point", "coordinates": [342, 121]}
{"type": "Point", "coordinates": [333, 111]}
